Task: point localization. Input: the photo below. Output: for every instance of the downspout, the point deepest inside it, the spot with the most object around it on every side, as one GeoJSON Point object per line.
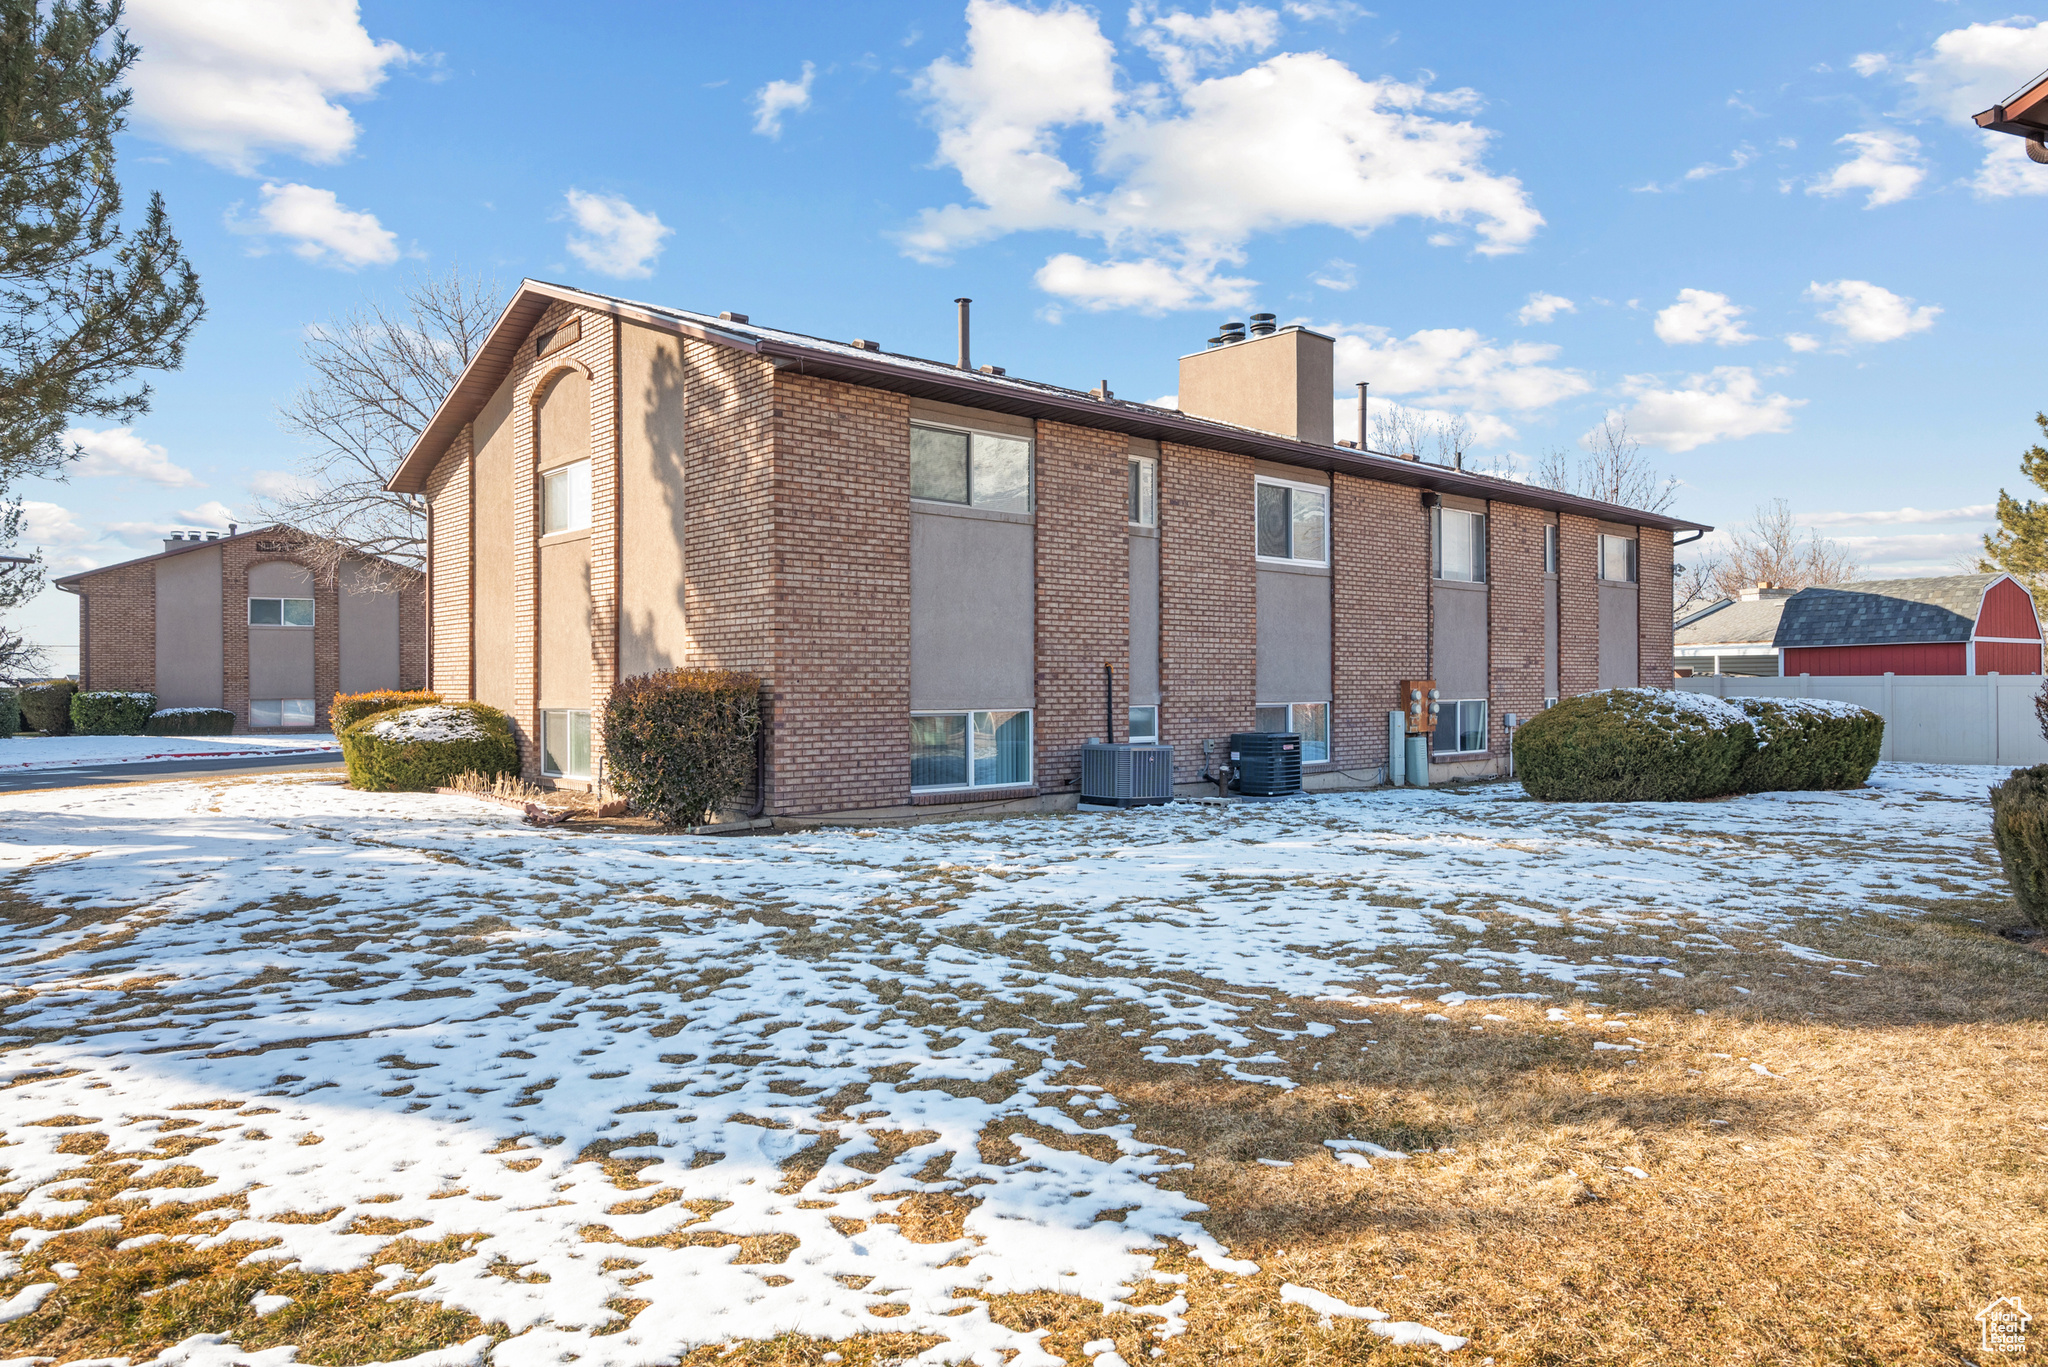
{"type": "Point", "coordinates": [760, 766]}
{"type": "Point", "coordinates": [1108, 702]}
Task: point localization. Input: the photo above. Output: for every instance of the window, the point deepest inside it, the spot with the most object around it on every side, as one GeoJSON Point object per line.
{"type": "Point", "coordinates": [1550, 549]}
{"type": "Point", "coordinates": [280, 711]}
{"type": "Point", "coordinates": [280, 612]}
{"type": "Point", "coordinates": [1144, 492]}
{"type": "Point", "coordinates": [1618, 559]}
{"type": "Point", "coordinates": [565, 744]}
{"type": "Point", "coordinates": [975, 468]}
{"type": "Point", "coordinates": [1458, 545]}
{"type": "Point", "coordinates": [1461, 727]}
{"type": "Point", "coordinates": [1309, 720]}
{"type": "Point", "coordinates": [565, 499]}
{"type": "Point", "coordinates": [1144, 726]}
{"type": "Point", "coordinates": [970, 749]}
{"type": "Point", "coordinates": [1293, 522]}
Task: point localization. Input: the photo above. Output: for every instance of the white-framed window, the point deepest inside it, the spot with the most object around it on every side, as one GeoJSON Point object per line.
{"type": "Point", "coordinates": [280, 612]}
{"type": "Point", "coordinates": [565, 744]}
{"type": "Point", "coordinates": [1550, 702]}
{"type": "Point", "coordinates": [280, 711]}
{"type": "Point", "coordinates": [1293, 521]}
{"type": "Point", "coordinates": [989, 749]}
{"type": "Point", "coordinates": [1618, 559]}
{"type": "Point", "coordinates": [1309, 720]}
{"type": "Point", "coordinates": [1144, 492]}
{"type": "Point", "coordinates": [565, 499]}
{"type": "Point", "coordinates": [1144, 728]}
{"type": "Point", "coordinates": [1457, 545]}
{"type": "Point", "coordinates": [1550, 548]}
{"type": "Point", "coordinates": [1460, 727]}
{"type": "Point", "coordinates": [978, 469]}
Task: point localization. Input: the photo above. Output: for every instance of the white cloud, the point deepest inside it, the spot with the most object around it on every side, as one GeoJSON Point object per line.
{"type": "Point", "coordinates": [320, 227]}
{"type": "Point", "coordinates": [1900, 516]}
{"type": "Point", "coordinates": [1801, 341]}
{"type": "Point", "coordinates": [1870, 313]}
{"type": "Point", "coordinates": [212, 514]}
{"type": "Point", "coordinates": [1542, 307]}
{"type": "Point", "coordinates": [118, 451]}
{"type": "Point", "coordinates": [1184, 44]}
{"type": "Point", "coordinates": [1456, 368]}
{"type": "Point", "coordinates": [2008, 171]}
{"type": "Point", "coordinates": [1870, 63]}
{"type": "Point", "coordinates": [1702, 316]}
{"type": "Point", "coordinates": [234, 80]}
{"type": "Point", "coordinates": [778, 98]}
{"type": "Point", "coordinates": [1887, 164]}
{"type": "Point", "coordinates": [1150, 285]}
{"type": "Point", "coordinates": [1913, 551]}
{"type": "Point", "coordinates": [1182, 175]}
{"type": "Point", "coordinates": [1723, 405]}
{"type": "Point", "coordinates": [1967, 70]}
{"type": "Point", "coordinates": [617, 239]}
{"type": "Point", "coordinates": [279, 485]}
{"type": "Point", "coordinates": [1336, 274]}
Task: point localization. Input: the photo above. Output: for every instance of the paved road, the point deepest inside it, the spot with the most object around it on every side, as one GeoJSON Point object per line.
{"type": "Point", "coordinates": [149, 771]}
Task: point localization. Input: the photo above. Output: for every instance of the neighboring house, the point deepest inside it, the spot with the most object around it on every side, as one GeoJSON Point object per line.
{"type": "Point", "coordinates": [931, 565]}
{"type": "Point", "coordinates": [1733, 636]}
{"type": "Point", "coordinates": [1955, 624]}
{"type": "Point", "coordinates": [2023, 114]}
{"type": "Point", "coordinates": [249, 622]}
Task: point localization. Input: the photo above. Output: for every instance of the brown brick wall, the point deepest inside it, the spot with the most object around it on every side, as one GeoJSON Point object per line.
{"type": "Point", "coordinates": [237, 558]}
{"type": "Point", "coordinates": [1653, 607]}
{"type": "Point", "coordinates": [1208, 601]}
{"type": "Point", "coordinates": [1084, 598]}
{"type": "Point", "coordinates": [1380, 585]}
{"type": "Point", "coordinates": [117, 628]}
{"type": "Point", "coordinates": [839, 584]}
{"type": "Point", "coordinates": [449, 491]}
{"type": "Point", "coordinates": [1578, 605]}
{"type": "Point", "coordinates": [604, 528]}
{"type": "Point", "coordinates": [1516, 593]}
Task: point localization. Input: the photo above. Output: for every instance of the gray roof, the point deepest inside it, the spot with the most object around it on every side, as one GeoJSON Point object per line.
{"type": "Point", "coordinates": [1883, 612]}
{"type": "Point", "coordinates": [1732, 621]}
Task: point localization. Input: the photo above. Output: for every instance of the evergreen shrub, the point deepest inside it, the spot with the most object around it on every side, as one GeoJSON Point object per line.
{"type": "Point", "coordinates": [10, 712]}
{"type": "Point", "coordinates": [109, 712]}
{"type": "Point", "coordinates": [2019, 828]}
{"type": "Point", "coordinates": [1804, 743]}
{"type": "Point", "coordinates": [46, 707]}
{"type": "Point", "coordinates": [679, 744]}
{"type": "Point", "coordinates": [1632, 745]}
{"type": "Point", "coordinates": [350, 708]}
{"type": "Point", "coordinates": [415, 749]}
{"type": "Point", "coordinates": [190, 721]}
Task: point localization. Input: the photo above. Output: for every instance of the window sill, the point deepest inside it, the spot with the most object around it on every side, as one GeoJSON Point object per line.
{"type": "Point", "coordinates": [1142, 529]}
{"type": "Point", "coordinates": [1458, 583]}
{"type": "Point", "coordinates": [934, 797]}
{"type": "Point", "coordinates": [1458, 754]}
{"type": "Point", "coordinates": [1617, 583]}
{"type": "Point", "coordinates": [277, 626]}
{"type": "Point", "coordinates": [1316, 567]}
{"type": "Point", "coordinates": [563, 538]}
{"type": "Point", "coordinates": [931, 505]}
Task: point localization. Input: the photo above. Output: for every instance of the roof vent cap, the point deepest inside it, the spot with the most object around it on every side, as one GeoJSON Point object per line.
{"type": "Point", "coordinates": [1262, 325]}
{"type": "Point", "coordinates": [863, 344]}
{"type": "Point", "coordinates": [733, 317]}
{"type": "Point", "coordinates": [993, 370]}
{"type": "Point", "coordinates": [1231, 332]}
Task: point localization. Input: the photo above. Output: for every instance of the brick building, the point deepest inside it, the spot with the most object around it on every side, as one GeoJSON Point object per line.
{"type": "Point", "coordinates": [263, 623]}
{"type": "Point", "coordinates": [931, 566]}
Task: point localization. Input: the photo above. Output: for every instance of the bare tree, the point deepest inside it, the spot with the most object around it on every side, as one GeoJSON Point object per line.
{"type": "Point", "coordinates": [379, 372]}
{"type": "Point", "coordinates": [1770, 550]}
{"type": "Point", "coordinates": [1612, 470]}
{"type": "Point", "coordinates": [1694, 582]}
{"type": "Point", "coordinates": [1402, 431]}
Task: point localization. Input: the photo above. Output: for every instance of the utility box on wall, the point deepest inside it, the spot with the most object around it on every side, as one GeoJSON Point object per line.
{"type": "Point", "coordinates": [1418, 704]}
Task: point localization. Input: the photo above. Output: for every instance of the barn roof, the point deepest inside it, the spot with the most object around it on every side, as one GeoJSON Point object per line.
{"type": "Point", "coordinates": [1883, 612]}
{"type": "Point", "coordinates": [1732, 621]}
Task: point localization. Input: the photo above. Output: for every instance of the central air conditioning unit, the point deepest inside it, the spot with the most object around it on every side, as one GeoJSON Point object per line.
{"type": "Point", "coordinates": [1129, 775]}
{"type": "Point", "coordinates": [1266, 763]}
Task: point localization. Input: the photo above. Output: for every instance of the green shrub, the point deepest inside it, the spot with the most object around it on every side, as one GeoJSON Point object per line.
{"type": "Point", "coordinates": [418, 748]}
{"type": "Point", "coordinates": [679, 744]}
{"type": "Point", "coordinates": [190, 721]}
{"type": "Point", "coordinates": [111, 713]}
{"type": "Point", "coordinates": [2019, 827]}
{"type": "Point", "coordinates": [1806, 743]}
{"type": "Point", "coordinates": [1632, 745]}
{"type": "Point", "coordinates": [10, 712]}
{"type": "Point", "coordinates": [350, 708]}
{"type": "Point", "coordinates": [46, 707]}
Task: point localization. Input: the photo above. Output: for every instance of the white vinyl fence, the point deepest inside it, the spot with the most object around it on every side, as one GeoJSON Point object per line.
{"type": "Point", "coordinates": [1928, 718]}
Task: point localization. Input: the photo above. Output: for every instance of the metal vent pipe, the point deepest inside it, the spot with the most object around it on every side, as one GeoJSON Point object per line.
{"type": "Point", "coordinates": [965, 364]}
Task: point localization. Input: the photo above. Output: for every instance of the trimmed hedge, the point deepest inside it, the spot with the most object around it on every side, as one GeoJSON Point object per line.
{"type": "Point", "coordinates": [46, 707]}
{"type": "Point", "coordinates": [1632, 745]}
{"type": "Point", "coordinates": [1806, 743]}
{"type": "Point", "coordinates": [679, 744]}
{"type": "Point", "coordinates": [10, 712]}
{"type": "Point", "coordinates": [2019, 827]}
{"type": "Point", "coordinates": [109, 713]}
{"type": "Point", "coordinates": [190, 721]}
{"type": "Point", "coordinates": [418, 748]}
{"type": "Point", "coordinates": [350, 708]}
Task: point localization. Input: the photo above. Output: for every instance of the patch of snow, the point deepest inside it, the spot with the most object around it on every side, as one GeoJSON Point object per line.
{"type": "Point", "coordinates": [435, 723]}
{"type": "Point", "coordinates": [1403, 1333]}
{"type": "Point", "coordinates": [268, 1304]}
{"type": "Point", "coordinates": [64, 752]}
{"type": "Point", "coordinates": [26, 1301]}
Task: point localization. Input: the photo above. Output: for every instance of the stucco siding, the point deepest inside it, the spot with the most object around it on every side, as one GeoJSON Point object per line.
{"type": "Point", "coordinates": [281, 662]}
{"type": "Point", "coordinates": [369, 631]}
{"type": "Point", "coordinates": [1294, 636]}
{"type": "Point", "coordinates": [1618, 636]}
{"type": "Point", "coordinates": [565, 622]}
{"type": "Point", "coordinates": [971, 612]}
{"type": "Point", "coordinates": [189, 651]}
{"type": "Point", "coordinates": [1461, 644]}
{"type": "Point", "coordinates": [1144, 620]}
{"type": "Point", "coordinates": [653, 628]}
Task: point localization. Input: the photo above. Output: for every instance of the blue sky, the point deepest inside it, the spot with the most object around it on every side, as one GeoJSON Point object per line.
{"type": "Point", "coordinates": [1767, 234]}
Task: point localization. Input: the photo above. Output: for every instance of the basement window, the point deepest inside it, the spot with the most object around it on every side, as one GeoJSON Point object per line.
{"type": "Point", "coordinates": [970, 750]}
{"type": "Point", "coordinates": [280, 711]}
{"type": "Point", "coordinates": [1293, 522]}
{"type": "Point", "coordinates": [565, 744]}
{"type": "Point", "coordinates": [1457, 545]}
{"type": "Point", "coordinates": [978, 469]}
{"type": "Point", "coordinates": [1618, 559]}
{"type": "Point", "coordinates": [1144, 492]}
{"type": "Point", "coordinates": [1309, 720]}
{"type": "Point", "coordinates": [280, 612]}
{"type": "Point", "coordinates": [565, 499]}
{"type": "Point", "coordinates": [1144, 726]}
{"type": "Point", "coordinates": [1461, 728]}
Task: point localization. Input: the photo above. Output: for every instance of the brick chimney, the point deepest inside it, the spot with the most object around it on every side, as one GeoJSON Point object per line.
{"type": "Point", "coordinates": [1278, 380]}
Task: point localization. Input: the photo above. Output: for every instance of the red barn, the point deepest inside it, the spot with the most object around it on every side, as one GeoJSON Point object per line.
{"type": "Point", "coordinates": [1957, 624]}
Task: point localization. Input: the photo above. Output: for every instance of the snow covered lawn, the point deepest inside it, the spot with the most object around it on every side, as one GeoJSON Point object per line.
{"type": "Point", "coordinates": [64, 752]}
{"type": "Point", "coordinates": [368, 1075]}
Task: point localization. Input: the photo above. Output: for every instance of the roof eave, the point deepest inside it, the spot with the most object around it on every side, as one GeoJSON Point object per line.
{"type": "Point", "coordinates": [2025, 114]}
